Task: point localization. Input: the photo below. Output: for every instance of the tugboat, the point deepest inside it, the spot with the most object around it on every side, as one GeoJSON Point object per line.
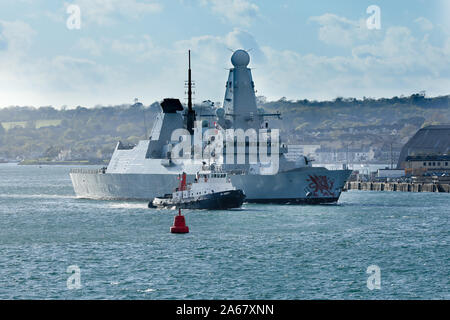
{"type": "Point", "coordinates": [211, 190]}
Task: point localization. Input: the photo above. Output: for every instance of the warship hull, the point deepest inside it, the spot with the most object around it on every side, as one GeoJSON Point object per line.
{"type": "Point", "coordinates": [303, 185]}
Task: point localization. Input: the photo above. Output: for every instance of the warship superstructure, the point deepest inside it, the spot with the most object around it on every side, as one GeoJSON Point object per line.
{"type": "Point", "coordinates": [151, 168]}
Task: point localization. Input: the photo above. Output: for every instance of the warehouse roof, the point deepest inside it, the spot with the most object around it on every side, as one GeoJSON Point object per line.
{"type": "Point", "coordinates": [431, 140]}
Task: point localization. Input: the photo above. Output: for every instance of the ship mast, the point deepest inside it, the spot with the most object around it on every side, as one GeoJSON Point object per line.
{"type": "Point", "coordinates": [191, 112]}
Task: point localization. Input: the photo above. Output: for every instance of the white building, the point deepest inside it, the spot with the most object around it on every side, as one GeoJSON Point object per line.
{"type": "Point", "coordinates": [344, 155]}
{"type": "Point", "coordinates": [390, 173]}
{"type": "Point", "coordinates": [296, 151]}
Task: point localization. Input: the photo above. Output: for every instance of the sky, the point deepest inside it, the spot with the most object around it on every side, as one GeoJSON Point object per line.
{"type": "Point", "coordinates": [119, 50]}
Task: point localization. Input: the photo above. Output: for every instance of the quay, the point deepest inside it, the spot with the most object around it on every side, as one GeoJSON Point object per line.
{"type": "Point", "coordinates": [398, 186]}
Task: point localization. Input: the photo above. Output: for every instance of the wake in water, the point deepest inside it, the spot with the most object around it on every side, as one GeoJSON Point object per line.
{"type": "Point", "coordinates": [36, 196]}
{"type": "Point", "coordinates": [128, 205]}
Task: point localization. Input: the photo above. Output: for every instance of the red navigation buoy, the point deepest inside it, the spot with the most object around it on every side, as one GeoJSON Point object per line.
{"type": "Point", "coordinates": [179, 224]}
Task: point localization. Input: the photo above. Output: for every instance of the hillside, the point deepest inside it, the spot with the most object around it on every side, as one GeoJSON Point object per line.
{"type": "Point", "coordinates": [82, 133]}
{"type": "Point", "coordinates": [367, 122]}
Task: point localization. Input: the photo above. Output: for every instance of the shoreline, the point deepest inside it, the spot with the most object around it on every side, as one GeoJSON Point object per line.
{"type": "Point", "coordinates": [67, 163]}
{"type": "Point", "coordinates": [398, 187]}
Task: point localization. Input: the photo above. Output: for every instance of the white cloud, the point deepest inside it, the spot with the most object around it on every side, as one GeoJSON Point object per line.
{"type": "Point", "coordinates": [67, 73]}
{"type": "Point", "coordinates": [424, 23]}
{"type": "Point", "coordinates": [29, 80]}
{"type": "Point", "coordinates": [381, 63]}
{"type": "Point", "coordinates": [104, 12]}
{"type": "Point", "coordinates": [237, 12]}
{"type": "Point", "coordinates": [397, 63]}
{"type": "Point", "coordinates": [134, 48]}
{"type": "Point", "coordinates": [165, 67]}
{"type": "Point", "coordinates": [214, 49]}
{"type": "Point", "coordinates": [400, 53]}
{"type": "Point", "coordinates": [340, 31]}
{"type": "Point", "coordinates": [140, 47]}
{"type": "Point", "coordinates": [93, 47]}
{"type": "Point", "coordinates": [15, 36]}
{"type": "Point", "coordinates": [444, 14]}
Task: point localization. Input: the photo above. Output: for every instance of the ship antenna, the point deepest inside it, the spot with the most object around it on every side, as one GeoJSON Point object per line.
{"type": "Point", "coordinates": [191, 112]}
{"type": "Point", "coordinates": [190, 84]}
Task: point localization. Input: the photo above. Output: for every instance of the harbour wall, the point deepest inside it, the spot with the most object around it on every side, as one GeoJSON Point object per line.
{"type": "Point", "coordinates": [396, 186]}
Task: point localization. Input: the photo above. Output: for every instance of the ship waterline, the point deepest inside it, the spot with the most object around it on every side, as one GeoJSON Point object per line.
{"type": "Point", "coordinates": [301, 185]}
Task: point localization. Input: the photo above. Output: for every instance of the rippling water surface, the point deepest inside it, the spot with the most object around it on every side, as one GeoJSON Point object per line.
{"type": "Point", "coordinates": [125, 251]}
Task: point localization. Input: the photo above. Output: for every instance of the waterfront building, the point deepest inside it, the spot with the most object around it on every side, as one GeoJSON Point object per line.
{"type": "Point", "coordinates": [428, 141]}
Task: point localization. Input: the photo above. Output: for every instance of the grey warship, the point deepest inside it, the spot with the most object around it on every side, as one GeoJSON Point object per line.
{"type": "Point", "coordinates": [146, 170]}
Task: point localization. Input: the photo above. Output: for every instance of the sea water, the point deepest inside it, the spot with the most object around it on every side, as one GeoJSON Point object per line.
{"type": "Point", "coordinates": [55, 246]}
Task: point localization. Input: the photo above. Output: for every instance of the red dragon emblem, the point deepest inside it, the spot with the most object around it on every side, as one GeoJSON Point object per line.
{"type": "Point", "coordinates": [321, 184]}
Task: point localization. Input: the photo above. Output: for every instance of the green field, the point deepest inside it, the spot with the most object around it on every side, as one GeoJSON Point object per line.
{"type": "Point", "coordinates": [47, 123]}
{"type": "Point", "coordinates": [13, 124]}
{"type": "Point", "coordinates": [48, 161]}
{"type": "Point", "coordinates": [22, 124]}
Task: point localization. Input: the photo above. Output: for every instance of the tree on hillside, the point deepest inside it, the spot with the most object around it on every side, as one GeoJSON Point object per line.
{"type": "Point", "coordinates": [52, 152]}
{"type": "Point", "coordinates": [2, 133]}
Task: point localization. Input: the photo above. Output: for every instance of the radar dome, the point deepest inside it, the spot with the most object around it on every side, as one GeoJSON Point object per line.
{"type": "Point", "coordinates": [240, 58]}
